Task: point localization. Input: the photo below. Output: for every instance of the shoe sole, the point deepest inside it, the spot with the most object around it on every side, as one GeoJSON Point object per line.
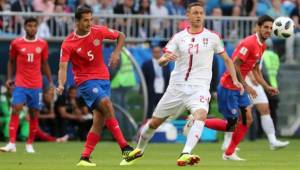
{"type": "Point", "coordinates": [2, 150]}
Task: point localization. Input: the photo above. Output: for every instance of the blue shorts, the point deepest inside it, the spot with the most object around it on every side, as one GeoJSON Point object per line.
{"type": "Point", "coordinates": [230, 101]}
{"type": "Point", "coordinates": [92, 91]}
{"type": "Point", "coordinates": [30, 97]}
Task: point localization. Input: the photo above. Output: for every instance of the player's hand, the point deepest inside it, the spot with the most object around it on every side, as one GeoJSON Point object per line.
{"type": "Point", "coordinates": [60, 89]}
{"type": "Point", "coordinates": [272, 91]}
{"type": "Point", "coordinates": [240, 86]}
{"type": "Point", "coordinates": [9, 83]}
{"type": "Point", "coordinates": [167, 57]}
{"type": "Point", "coordinates": [251, 91]}
{"type": "Point", "coordinates": [114, 60]}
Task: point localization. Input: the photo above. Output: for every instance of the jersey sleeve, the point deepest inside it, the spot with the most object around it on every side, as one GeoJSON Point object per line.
{"type": "Point", "coordinates": [64, 53]}
{"type": "Point", "coordinates": [172, 46]}
{"type": "Point", "coordinates": [108, 33]}
{"type": "Point", "coordinates": [243, 51]}
{"type": "Point", "coordinates": [45, 52]}
{"type": "Point", "coordinates": [219, 47]}
{"type": "Point", "coordinates": [13, 52]}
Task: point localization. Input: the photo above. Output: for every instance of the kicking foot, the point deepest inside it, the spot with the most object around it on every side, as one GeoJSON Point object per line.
{"type": "Point", "coordinates": [187, 159]}
{"type": "Point", "coordinates": [130, 155]}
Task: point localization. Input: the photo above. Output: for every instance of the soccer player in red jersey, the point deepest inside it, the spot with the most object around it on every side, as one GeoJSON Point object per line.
{"type": "Point", "coordinates": [246, 57]}
{"type": "Point", "coordinates": [83, 48]}
{"type": "Point", "coordinates": [29, 54]}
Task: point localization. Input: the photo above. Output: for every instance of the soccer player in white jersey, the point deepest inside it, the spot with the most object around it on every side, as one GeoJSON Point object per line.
{"type": "Point", "coordinates": [261, 103]}
{"type": "Point", "coordinates": [192, 50]}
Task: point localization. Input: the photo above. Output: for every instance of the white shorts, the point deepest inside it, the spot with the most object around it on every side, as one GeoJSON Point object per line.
{"type": "Point", "coordinates": [261, 97]}
{"type": "Point", "coordinates": [179, 98]}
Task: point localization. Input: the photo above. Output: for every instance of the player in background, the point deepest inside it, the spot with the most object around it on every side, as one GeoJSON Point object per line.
{"type": "Point", "coordinates": [28, 55]}
{"type": "Point", "coordinates": [192, 50]}
{"type": "Point", "coordinates": [261, 103]}
{"type": "Point", "coordinates": [83, 48]}
{"type": "Point", "coordinates": [236, 108]}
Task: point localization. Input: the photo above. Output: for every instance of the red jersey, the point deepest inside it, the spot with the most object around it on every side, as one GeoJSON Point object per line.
{"type": "Point", "coordinates": [250, 51]}
{"type": "Point", "coordinates": [85, 54]}
{"type": "Point", "coordinates": [29, 55]}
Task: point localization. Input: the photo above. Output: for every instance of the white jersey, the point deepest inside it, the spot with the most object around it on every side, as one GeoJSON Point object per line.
{"type": "Point", "coordinates": [194, 52]}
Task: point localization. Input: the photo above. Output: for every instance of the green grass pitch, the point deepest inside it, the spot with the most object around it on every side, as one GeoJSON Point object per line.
{"type": "Point", "coordinates": [55, 156]}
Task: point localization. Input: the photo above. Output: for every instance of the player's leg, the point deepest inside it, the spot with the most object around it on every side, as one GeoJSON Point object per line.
{"type": "Point", "coordinates": [198, 104]}
{"type": "Point", "coordinates": [106, 107]}
{"type": "Point", "coordinates": [239, 133]}
{"type": "Point", "coordinates": [170, 104]}
{"type": "Point", "coordinates": [228, 102]}
{"type": "Point", "coordinates": [268, 126]}
{"type": "Point", "coordinates": [193, 136]}
{"type": "Point", "coordinates": [33, 101]}
{"type": "Point", "coordinates": [92, 139]}
{"type": "Point", "coordinates": [33, 125]}
{"type": "Point", "coordinates": [18, 100]}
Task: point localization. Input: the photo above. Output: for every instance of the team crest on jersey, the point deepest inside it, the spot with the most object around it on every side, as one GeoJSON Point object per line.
{"type": "Point", "coordinates": [243, 50]}
{"type": "Point", "coordinates": [96, 42]}
{"type": "Point", "coordinates": [38, 50]}
{"type": "Point", "coordinates": [205, 42]}
{"type": "Point", "coordinates": [23, 49]}
{"type": "Point", "coordinates": [78, 50]}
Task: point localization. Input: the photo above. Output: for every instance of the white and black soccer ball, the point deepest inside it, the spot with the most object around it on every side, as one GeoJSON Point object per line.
{"type": "Point", "coordinates": [283, 27]}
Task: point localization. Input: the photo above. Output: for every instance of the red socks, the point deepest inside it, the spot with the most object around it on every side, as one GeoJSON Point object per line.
{"type": "Point", "coordinates": [33, 125]}
{"type": "Point", "coordinates": [91, 141]}
{"type": "Point", "coordinates": [113, 126]}
{"type": "Point", "coordinates": [216, 124]}
{"type": "Point", "coordinates": [44, 136]}
{"type": "Point", "coordinates": [13, 127]}
{"type": "Point", "coordinates": [237, 137]}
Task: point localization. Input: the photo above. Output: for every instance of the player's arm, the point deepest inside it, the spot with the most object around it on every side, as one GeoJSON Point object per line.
{"type": "Point", "coordinates": [47, 71]}
{"type": "Point", "coordinates": [45, 66]}
{"type": "Point", "coordinates": [259, 78]}
{"type": "Point", "coordinates": [237, 64]}
{"type": "Point", "coordinates": [62, 76]}
{"type": "Point", "coordinates": [230, 66]}
{"type": "Point", "coordinates": [114, 58]}
{"type": "Point", "coordinates": [252, 78]}
{"type": "Point", "coordinates": [10, 71]}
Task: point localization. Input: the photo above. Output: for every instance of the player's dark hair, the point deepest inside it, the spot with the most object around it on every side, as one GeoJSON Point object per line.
{"type": "Point", "coordinates": [82, 10]}
{"type": "Point", "coordinates": [264, 18]}
{"type": "Point", "coordinates": [194, 4]}
{"type": "Point", "coordinates": [30, 19]}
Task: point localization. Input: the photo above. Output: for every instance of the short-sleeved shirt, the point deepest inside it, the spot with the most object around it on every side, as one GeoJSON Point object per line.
{"type": "Point", "coordinates": [29, 55]}
{"type": "Point", "coordinates": [194, 52]}
{"type": "Point", "coordinates": [85, 54]}
{"type": "Point", "coordinates": [249, 51]}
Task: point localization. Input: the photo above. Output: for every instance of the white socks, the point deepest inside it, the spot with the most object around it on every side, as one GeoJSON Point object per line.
{"type": "Point", "coordinates": [268, 127]}
{"type": "Point", "coordinates": [193, 136]}
{"type": "Point", "coordinates": [227, 140]}
{"type": "Point", "coordinates": [146, 135]}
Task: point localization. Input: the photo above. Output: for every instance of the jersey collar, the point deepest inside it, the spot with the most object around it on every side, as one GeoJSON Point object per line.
{"type": "Point", "coordinates": [195, 32]}
{"type": "Point", "coordinates": [82, 36]}
{"type": "Point", "coordinates": [27, 40]}
{"type": "Point", "coordinates": [258, 40]}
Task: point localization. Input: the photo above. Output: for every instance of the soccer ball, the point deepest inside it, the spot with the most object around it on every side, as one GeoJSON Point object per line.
{"type": "Point", "coordinates": [283, 27]}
